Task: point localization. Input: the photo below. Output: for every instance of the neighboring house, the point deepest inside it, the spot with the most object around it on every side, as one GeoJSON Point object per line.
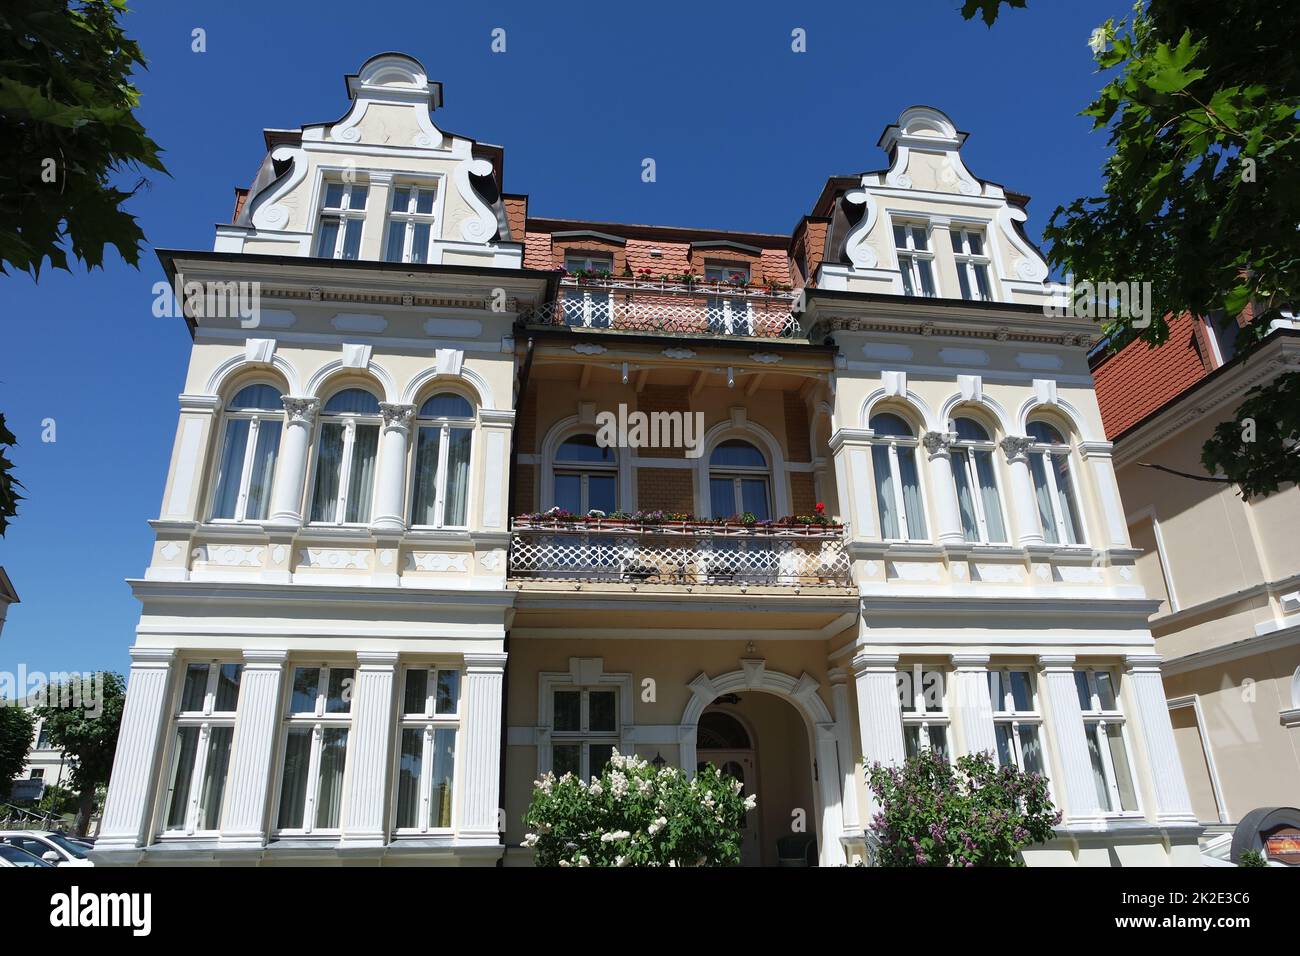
{"type": "Point", "coordinates": [45, 762]}
{"type": "Point", "coordinates": [7, 596]}
{"type": "Point", "coordinates": [350, 650]}
{"type": "Point", "coordinates": [1226, 571]}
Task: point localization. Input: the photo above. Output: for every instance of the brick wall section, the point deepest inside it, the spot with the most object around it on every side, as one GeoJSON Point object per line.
{"type": "Point", "coordinates": [516, 208]}
{"type": "Point", "coordinates": [803, 496]}
{"type": "Point", "coordinates": [797, 445]}
{"type": "Point", "coordinates": [525, 490]}
{"type": "Point", "coordinates": [525, 437]}
{"type": "Point", "coordinates": [537, 251]}
{"type": "Point", "coordinates": [1137, 380]}
{"type": "Point", "coordinates": [665, 489]}
{"type": "Point", "coordinates": [815, 246]}
{"type": "Point", "coordinates": [664, 398]}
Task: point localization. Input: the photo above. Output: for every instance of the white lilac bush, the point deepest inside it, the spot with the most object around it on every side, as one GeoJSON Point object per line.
{"type": "Point", "coordinates": [636, 814]}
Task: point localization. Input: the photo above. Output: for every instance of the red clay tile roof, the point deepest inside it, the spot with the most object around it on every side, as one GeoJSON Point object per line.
{"type": "Point", "coordinates": [1137, 380]}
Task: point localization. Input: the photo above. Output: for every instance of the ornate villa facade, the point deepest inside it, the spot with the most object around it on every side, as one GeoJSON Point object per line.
{"type": "Point", "coordinates": [398, 573]}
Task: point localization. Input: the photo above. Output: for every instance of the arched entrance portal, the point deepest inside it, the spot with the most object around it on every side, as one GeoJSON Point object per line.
{"type": "Point", "coordinates": [724, 741]}
{"type": "Point", "coordinates": [793, 746]}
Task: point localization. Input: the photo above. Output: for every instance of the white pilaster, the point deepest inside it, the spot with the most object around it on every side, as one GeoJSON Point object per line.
{"type": "Point", "coordinates": [844, 747]}
{"type": "Point", "coordinates": [828, 779]}
{"type": "Point", "coordinates": [1147, 692]}
{"type": "Point", "coordinates": [181, 498]}
{"type": "Point", "coordinates": [135, 763]}
{"type": "Point", "coordinates": [973, 705]}
{"type": "Point", "coordinates": [851, 449]}
{"type": "Point", "coordinates": [257, 734]}
{"type": "Point", "coordinates": [497, 425]}
{"type": "Point", "coordinates": [369, 749]}
{"type": "Point", "coordinates": [1069, 741]}
{"type": "Point", "coordinates": [390, 491]}
{"type": "Point", "coordinates": [1023, 500]}
{"type": "Point", "coordinates": [480, 770]}
{"type": "Point", "coordinates": [291, 468]}
{"type": "Point", "coordinates": [880, 721]}
{"type": "Point", "coordinates": [1098, 456]}
{"type": "Point", "coordinates": [945, 491]}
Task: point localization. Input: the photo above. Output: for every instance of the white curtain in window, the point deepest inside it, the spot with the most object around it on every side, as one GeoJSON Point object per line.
{"type": "Point", "coordinates": [1065, 494]}
{"type": "Point", "coordinates": [214, 776]}
{"type": "Point", "coordinates": [293, 789]}
{"type": "Point", "coordinates": [989, 496]}
{"type": "Point", "coordinates": [263, 470]}
{"type": "Point", "coordinates": [408, 777]}
{"type": "Point", "coordinates": [329, 467]}
{"type": "Point", "coordinates": [329, 797]}
{"type": "Point", "coordinates": [361, 480]}
{"type": "Point", "coordinates": [457, 491]}
{"type": "Point", "coordinates": [885, 501]}
{"type": "Point", "coordinates": [426, 477]}
{"type": "Point", "coordinates": [965, 498]}
{"type": "Point", "coordinates": [231, 467]}
{"type": "Point", "coordinates": [912, 505]}
{"type": "Point", "coordinates": [1043, 495]}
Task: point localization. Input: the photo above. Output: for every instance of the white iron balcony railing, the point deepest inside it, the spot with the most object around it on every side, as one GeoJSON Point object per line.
{"type": "Point", "coordinates": [679, 553]}
{"type": "Point", "coordinates": [639, 305]}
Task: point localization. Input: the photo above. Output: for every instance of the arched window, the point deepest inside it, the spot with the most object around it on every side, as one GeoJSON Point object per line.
{"type": "Point", "coordinates": [345, 458]}
{"type": "Point", "coordinates": [586, 476]}
{"type": "Point", "coordinates": [1049, 462]}
{"type": "Point", "coordinates": [977, 487]}
{"type": "Point", "coordinates": [440, 495]}
{"type": "Point", "coordinates": [248, 451]}
{"type": "Point", "coordinates": [898, 486]}
{"type": "Point", "coordinates": [739, 481]}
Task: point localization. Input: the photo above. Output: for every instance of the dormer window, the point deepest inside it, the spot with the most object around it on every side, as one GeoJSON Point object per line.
{"type": "Point", "coordinates": [410, 224]}
{"type": "Point", "coordinates": [728, 315]}
{"type": "Point", "coordinates": [915, 259]}
{"type": "Point", "coordinates": [972, 264]}
{"type": "Point", "coordinates": [342, 217]}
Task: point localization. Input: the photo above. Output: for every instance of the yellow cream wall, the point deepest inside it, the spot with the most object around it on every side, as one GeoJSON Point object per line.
{"type": "Point", "coordinates": [672, 665]}
{"type": "Point", "coordinates": [1215, 545]}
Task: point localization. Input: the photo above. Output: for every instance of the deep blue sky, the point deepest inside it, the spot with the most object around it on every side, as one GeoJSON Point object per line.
{"type": "Point", "coordinates": [744, 133]}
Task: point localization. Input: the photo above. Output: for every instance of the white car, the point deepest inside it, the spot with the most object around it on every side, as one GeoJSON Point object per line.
{"type": "Point", "coordinates": [12, 856]}
{"type": "Point", "coordinates": [53, 848]}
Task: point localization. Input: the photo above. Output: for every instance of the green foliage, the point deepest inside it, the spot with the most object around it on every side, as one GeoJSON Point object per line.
{"type": "Point", "coordinates": [86, 736]}
{"type": "Point", "coordinates": [57, 801]}
{"type": "Point", "coordinates": [1252, 858]}
{"type": "Point", "coordinates": [16, 729]}
{"type": "Point", "coordinates": [9, 485]}
{"type": "Point", "coordinates": [635, 814]}
{"type": "Point", "coordinates": [1202, 194]}
{"type": "Point", "coordinates": [66, 102]}
{"type": "Point", "coordinates": [974, 814]}
{"type": "Point", "coordinates": [988, 10]}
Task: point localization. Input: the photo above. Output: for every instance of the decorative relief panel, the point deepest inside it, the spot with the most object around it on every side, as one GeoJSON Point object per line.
{"type": "Point", "coordinates": [999, 573]}
{"type": "Point", "coordinates": [437, 561]}
{"type": "Point", "coordinates": [915, 571]}
{"type": "Point", "coordinates": [340, 558]}
{"type": "Point", "coordinates": [230, 555]}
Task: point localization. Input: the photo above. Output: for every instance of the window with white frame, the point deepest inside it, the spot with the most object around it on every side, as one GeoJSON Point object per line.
{"type": "Point", "coordinates": [1017, 723]}
{"type": "Point", "coordinates": [316, 748]}
{"type": "Point", "coordinates": [342, 219]}
{"type": "Point", "coordinates": [411, 221]}
{"type": "Point", "coordinates": [346, 449]}
{"type": "Point", "coordinates": [739, 481]}
{"type": "Point", "coordinates": [586, 476]}
{"type": "Point", "coordinates": [586, 306]}
{"type": "Point", "coordinates": [1049, 463]}
{"type": "Point", "coordinates": [200, 758]}
{"type": "Point", "coordinates": [43, 736]}
{"type": "Point", "coordinates": [729, 315]}
{"type": "Point", "coordinates": [923, 701]}
{"type": "Point", "coordinates": [444, 440]}
{"type": "Point", "coordinates": [1103, 724]}
{"type": "Point", "coordinates": [915, 258]}
{"type": "Point", "coordinates": [584, 729]}
{"type": "Point", "coordinates": [898, 483]}
{"type": "Point", "coordinates": [974, 474]}
{"type": "Point", "coordinates": [972, 264]}
{"type": "Point", "coordinates": [426, 761]}
{"type": "Point", "coordinates": [249, 446]}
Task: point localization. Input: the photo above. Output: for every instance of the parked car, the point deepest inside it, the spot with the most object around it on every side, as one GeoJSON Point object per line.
{"type": "Point", "coordinates": [53, 848]}
{"type": "Point", "coordinates": [11, 855]}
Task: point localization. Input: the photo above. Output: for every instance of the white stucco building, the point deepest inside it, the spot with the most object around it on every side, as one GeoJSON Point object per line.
{"type": "Point", "coordinates": [362, 637]}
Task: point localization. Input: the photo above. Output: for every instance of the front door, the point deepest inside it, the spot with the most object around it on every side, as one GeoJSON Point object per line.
{"type": "Point", "coordinates": [739, 764]}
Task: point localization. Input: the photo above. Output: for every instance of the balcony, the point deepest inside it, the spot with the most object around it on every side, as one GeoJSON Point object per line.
{"type": "Point", "coordinates": [669, 307]}
{"type": "Point", "coordinates": [679, 552]}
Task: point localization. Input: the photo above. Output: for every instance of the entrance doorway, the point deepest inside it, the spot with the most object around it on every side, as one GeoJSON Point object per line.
{"type": "Point", "coordinates": [726, 743]}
